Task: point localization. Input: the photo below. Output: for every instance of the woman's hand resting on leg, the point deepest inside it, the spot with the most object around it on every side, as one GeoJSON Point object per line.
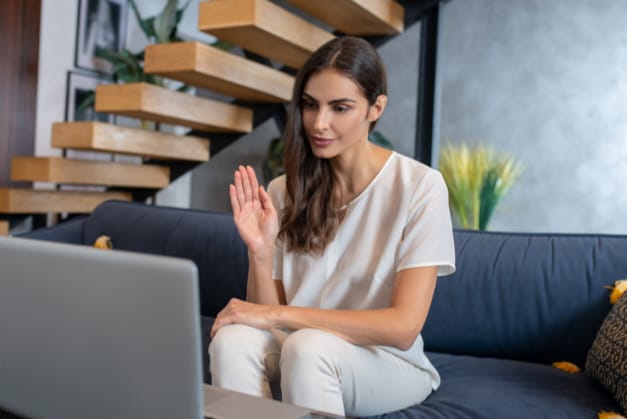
{"type": "Point", "coordinates": [242, 312]}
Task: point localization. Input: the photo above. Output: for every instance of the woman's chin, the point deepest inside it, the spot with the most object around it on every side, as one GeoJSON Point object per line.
{"type": "Point", "coordinates": [323, 153]}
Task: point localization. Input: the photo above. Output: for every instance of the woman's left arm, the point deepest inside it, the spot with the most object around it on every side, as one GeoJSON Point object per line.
{"type": "Point", "coordinates": [397, 325]}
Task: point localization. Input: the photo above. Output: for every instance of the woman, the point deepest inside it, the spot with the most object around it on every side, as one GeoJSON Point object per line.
{"type": "Point", "coordinates": [344, 252]}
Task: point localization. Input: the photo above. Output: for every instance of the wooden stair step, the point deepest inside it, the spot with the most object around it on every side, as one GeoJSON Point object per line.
{"type": "Point", "coordinates": [99, 136]}
{"type": "Point", "coordinates": [29, 201]}
{"type": "Point", "coordinates": [213, 69]}
{"type": "Point", "coordinates": [89, 172]}
{"type": "Point", "coordinates": [4, 228]}
{"type": "Point", "coordinates": [357, 17]}
{"type": "Point", "coordinates": [262, 27]}
{"type": "Point", "coordinates": [156, 103]}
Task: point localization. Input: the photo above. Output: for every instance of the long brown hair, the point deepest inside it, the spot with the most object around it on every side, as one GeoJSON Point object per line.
{"type": "Point", "coordinates": [308, 221]}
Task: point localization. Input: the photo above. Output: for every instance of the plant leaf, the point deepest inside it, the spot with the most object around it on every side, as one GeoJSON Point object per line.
{"type": "Point", "coordinates": [179, 12]}
{"type": "Point", "coordinates": [184, 88]}
{"type": "Point", "coordinates": [272, 165]}
{"type": "Point", "coordinates": [477, 178]}
{"type": "Point", "coordinates": [377, 138]}
{"type": "Point", "coordinates": [146, 25]}
{"type": "Point", "coordinates": [87, 102]}
{"type": "Point", "coordinates": [165, 22]}
{"type": "Point", "coordinates": [489, 197]}
{"type": "Point", "coordinates": [223, 45]}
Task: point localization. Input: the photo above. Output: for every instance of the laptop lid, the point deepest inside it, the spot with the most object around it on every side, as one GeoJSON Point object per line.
{"type": "Point", "coordinates": [89, 333]}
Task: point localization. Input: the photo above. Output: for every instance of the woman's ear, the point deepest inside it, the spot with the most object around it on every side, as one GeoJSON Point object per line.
{"type": "Point", "coordinates": [377, 108]}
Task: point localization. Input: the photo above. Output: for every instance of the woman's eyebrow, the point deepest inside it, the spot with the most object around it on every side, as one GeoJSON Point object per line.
{"type": "Point", "coordinates": [331, 102]}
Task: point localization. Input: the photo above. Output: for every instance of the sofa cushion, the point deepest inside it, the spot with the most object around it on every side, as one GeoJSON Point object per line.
{"type": "Point", "coordinates": [488, 388]}
{"type": "Point", "coordinates": [532, 297]}
{"type": "Point", "coordinates": [607, 359]}
{"type": "Point", "coordinates": [208, 238]}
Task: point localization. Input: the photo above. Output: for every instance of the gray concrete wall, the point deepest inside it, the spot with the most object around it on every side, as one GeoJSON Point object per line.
{"type": "Point", "coordinates": [210, 181]}
{"type": "Point", "coordinates": [547, 82]}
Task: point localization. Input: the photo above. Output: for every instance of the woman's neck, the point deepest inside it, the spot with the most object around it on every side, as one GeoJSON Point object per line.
{"type": "Point", "coordinates": [356, 170]}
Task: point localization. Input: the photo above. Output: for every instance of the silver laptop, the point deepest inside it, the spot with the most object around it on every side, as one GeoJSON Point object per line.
{"type": "Point", "coordinates": [90, 333]}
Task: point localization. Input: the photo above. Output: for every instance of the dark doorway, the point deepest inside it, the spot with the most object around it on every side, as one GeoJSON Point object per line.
{"type": "Point", "coordinates": [19, 46]}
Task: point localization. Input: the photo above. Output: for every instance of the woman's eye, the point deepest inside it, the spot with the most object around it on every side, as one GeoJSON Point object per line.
{"type": "Point", "coordinates": [341, 108]}
{"type": "Point", "coordinates": [309, 105]}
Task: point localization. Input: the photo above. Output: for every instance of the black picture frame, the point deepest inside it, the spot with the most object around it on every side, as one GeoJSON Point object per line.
{"type": "Point", "coordinates": [100, 24]}
{"type": "Point", "coordinates": [79, 86]}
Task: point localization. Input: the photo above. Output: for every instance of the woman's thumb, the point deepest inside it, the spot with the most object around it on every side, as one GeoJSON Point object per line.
{"type": "Point", "coordinates": [266, 202]}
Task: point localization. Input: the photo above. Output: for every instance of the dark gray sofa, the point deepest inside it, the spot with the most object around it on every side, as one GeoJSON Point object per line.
{"type": "Point", "coordinates": [517, 303]}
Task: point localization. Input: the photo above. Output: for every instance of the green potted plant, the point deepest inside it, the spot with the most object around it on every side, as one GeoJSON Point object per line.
{"type": "Point", "coordinates": [477, 178]}
{"type": "Point", "coordinates": [128, 66]}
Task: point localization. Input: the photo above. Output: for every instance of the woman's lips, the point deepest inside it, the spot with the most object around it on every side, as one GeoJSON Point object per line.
{"type": "Point", "coordinates": [321, 142]}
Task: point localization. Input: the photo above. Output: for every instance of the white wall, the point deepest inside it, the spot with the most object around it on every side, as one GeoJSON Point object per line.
{"type": "Point", "coordinates": [56, 57]}
{"type": "Point", "coordinates": [57, 39]}
{"type": "Point", "coordinates": [547, 82]}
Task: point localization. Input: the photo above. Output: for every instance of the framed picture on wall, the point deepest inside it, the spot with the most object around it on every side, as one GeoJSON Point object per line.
{"type": "Point", "coordinates": [101, 25]}
{"type": "Point", "coordinates": [79, 106]}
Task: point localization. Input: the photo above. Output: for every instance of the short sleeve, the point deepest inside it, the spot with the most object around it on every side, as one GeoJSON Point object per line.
{"type": "Point", "coordinates": [428, 234]}
{"type": "Point", "coordinates": [276, 190]}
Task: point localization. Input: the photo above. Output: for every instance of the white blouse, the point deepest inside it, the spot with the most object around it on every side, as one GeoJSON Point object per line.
{"type": "Point", "coordinates": [400, 220]}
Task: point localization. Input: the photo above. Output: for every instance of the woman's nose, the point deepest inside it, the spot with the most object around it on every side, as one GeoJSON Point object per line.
{"type": "Point", "coordinates": [322, 120]}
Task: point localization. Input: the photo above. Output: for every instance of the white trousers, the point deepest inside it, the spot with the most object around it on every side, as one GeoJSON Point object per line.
{"type": "Point", "coordinates": [316, 369]}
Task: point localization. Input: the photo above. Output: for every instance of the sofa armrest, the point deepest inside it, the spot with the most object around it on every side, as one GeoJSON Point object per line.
{"type": "Point", "coordinates": [70, 231]}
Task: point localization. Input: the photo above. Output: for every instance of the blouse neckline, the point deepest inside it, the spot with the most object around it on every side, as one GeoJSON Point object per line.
{"type": "Point", "coordinates": [370, 185]}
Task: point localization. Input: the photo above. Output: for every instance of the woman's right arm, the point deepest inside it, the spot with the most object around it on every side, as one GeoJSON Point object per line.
{"type": "Point", "coordinates": [262, 289]}
{"type": "Point", "coordinates": [258, 225]}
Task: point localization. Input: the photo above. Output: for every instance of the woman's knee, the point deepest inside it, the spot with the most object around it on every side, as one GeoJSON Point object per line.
{"type": "Point", "coordinates": [235, 341]}
{"type": "Point", "coordinates": [311, 348]}
{"type": "Point", "coordinates": [244, 358]}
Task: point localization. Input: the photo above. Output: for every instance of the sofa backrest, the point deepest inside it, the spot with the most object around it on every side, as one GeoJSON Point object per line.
{"type": "Point", "coordinates": [533, 297]}
{"type": "Point", "coordinates": [210, 239]}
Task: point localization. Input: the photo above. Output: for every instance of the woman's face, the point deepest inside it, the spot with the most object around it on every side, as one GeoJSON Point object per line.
{"type": "Point", "coordinates": [335, 114]}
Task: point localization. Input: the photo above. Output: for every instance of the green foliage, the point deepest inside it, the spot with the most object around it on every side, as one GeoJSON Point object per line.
{"type": "Point", "coordinates": [127, 66]}
{"type": "Point", "coordinates": [379, 139]}
{"type": "Point", "coordinates": [477, 179]}
{"type": "Point", "coordinates": [163, 27]}
{"type": "Point", "coordinates": [272, 165]}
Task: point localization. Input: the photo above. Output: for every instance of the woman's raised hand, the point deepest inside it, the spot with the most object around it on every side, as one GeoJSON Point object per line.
{"type": "Point", "coordinates": [253, 212]}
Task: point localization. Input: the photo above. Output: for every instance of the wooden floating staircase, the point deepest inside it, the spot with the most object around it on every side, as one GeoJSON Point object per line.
{"type": "Point", "coordinates": [253, 25]}
{"type": "Point", "coordinates": [99, 136]}
{"type": "Point", "coordinates": [213, 69]}
{"type": "Point", "coordinates": [89, 172]}
{"type": "Point", "coordinates": [366, 17]}
{"type": "Point", "coordinates": [4, 228]}
{"type": "Point", "coordinates": [281, 41]}
{"type": "Point", "coordinates": [26, 201]}
{"type": "Point", "coordinates": [155, 103]}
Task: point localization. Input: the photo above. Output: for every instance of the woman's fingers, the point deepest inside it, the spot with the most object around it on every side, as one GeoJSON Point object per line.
{"type": "Point", "coordinates": [266, 201]}
{"type": "Point", "coordinates": [234, 200]}
{"type": "Point", "coordinates": [254, 184]}
{"type": "Point", "coordinates": [246, 184]}
{"type": "Point", "coordinates": [224, 317]}
{"type": "Point", "coordinates": [239, 189]}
